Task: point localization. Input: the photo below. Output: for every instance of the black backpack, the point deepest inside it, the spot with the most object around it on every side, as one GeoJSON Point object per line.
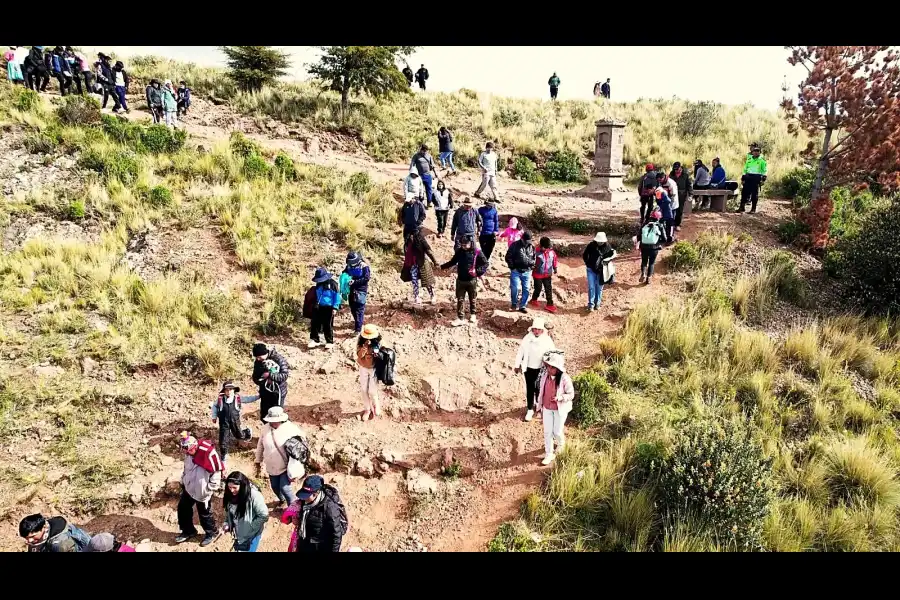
{"type": "Point", "coordinates": [332, 494]}
{"type": "Point", "coordinates": [297, 448]}
{"type": "Point", "coordinates": [385, 361]}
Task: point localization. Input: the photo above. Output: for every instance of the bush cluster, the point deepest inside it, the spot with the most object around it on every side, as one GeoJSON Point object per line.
{"type": "Point", "coordinates": [285, 165]}
{"type": "Point", "coordinates": [507, 117]}
{"type": "Point", "coordinates": [591, 395]}
{"type": "Point", "coordinates": [79, 110]}
{"type": "Point", "coordinates": [160, 196]}
{"type": "Point", "coordinates": [684, 256]}
{"type": "Point", "coordinates": [564, 166]}
{"type": "Point", "coordinates": [697, 119]}
{"type": "Point", "coordinates": [118, 164]}
{"type": "Point", "coordinates": [526, 170]}
{"type": "Point", "coordinates": [539, 219]}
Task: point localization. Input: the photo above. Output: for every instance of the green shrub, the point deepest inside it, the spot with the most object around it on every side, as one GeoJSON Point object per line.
{"type": "Point", "coordinates": [26, 100]}
{"type": "Point", "coordinates": [718, 474]}
{"type": "Point", "coordinates": [539, 219]}
{"type": "Point", "coordinates": [849, 208]}
{"type": "Point", "coordinates": [787, 282]}
{"type": "Point", "coordinates": [159, 139]}
{"type": "Point", "coordinates": [697, 119]}
{"type": "Point", "coordinates": [359, 183]}
{"type": "Point", "coordinates": [255, 166]}
{"type": "Point", "coordinates": [834, 263]}
{"type": "Point", "coordinates": [507, 117]}
{"type": "Point", "coordinates": [284, 164]}
{"type": "Point", "coordinates": [580, 111]}
{"type": "Point", "coordinates": [513, 537]}
{"type": "Point", "coordinates": [79, 110]}
{"type": "Point", "coordinates": [526, 170]}
{"type": "Point", "coordinates": [38, 142]}
{"type": "Point", "coordinates": [453, 470]}
{"type": "Point", "coordinates": [77, 209]}
{"type": "Point", "coordinates": [117, 164]}
{"type": "Point", "coordinates": [591, 395]}
{"type": "Point", "coordinates": [684, 256]}
{"type": "Point", "coordinates": [123, 131]}
{"type": "Point", "coordinates": [160, 196]}
{"type": "Point", "coordinates": [578, 226]}
{"type": "Point", "coordinates": [795, 184]}
{"type": "Point", "coordinates": [243, 147]}
{"type": "Point", "coordinates": [564, 166]}
{"type": "Point", "coordinates": [788, 232]}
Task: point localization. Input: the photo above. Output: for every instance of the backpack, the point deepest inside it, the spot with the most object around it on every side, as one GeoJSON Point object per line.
{"type": "Point", "coordinates": [650, 234]}
{"type": "Point", "coordinates": [220, 402]}
{"type": "Point", "coordinates": [297, 448]}
{"type": "Point", "coordinates": [544, 263]}
{"type": "Point", "coordinates": [385, 361]}
{"type": "Point", "coordinates": [78, 535]}
{"type": "Point", "coordinates": [207, 457]}
{"type": "Point", "coordinates": [332, 494]}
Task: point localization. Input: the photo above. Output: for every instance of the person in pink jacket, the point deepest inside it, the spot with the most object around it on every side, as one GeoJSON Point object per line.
{"type": "Point", "coordinates": [512, 233]}
{"type": "Point", "coordinates": [555, 395]}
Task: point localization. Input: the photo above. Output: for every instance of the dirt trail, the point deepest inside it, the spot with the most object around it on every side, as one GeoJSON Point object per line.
{"type": "Point", "coordinates": [484, 430]}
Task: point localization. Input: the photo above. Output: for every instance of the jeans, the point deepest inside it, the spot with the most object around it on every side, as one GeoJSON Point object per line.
{"type": "Point", "coordinates": [120, 92]}
{"type": "Point", "coordinates": [186, 514]}
{"type": "Point", "coordinates": [487, 242]}
{"type": "Point", "coordinates": [281, 485]}
{"type": "Point", "coordinates": [553, 92]}
{"type": "Point", "coordinates": [531, 383]}
{"type": "Point", "coordinates": [426, 181]}
{"type": "Point", "coordinates": [648, 258]}
{"type": "Point", "coordinates": [595, 288]}
{"type": "Point", "coordinates": [322, 322]}
{"type": "Point", "coordinates": [441, 216]}
{"type": "Point", "coordinates": [515, 278]}
{"type": "Point", "coordinates": [448, 156]}
{"type": "Point", "coordinates": [359, 314]}
{"type": "Point", "coordinates": [463, 289]}
{"type": "Point", "coordinates": [546, 284]}
{"type": "Point", "coordinates": [554, 421]}
{"type": "Point", "coordinates": [488, 180]}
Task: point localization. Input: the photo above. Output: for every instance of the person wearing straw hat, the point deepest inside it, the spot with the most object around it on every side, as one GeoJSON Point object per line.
{"type": "Point", "coordinates": [466, 222]}
{"type": "Point", "coordinates": [530, 358]}
{"type": "Point", "coordinates": [270, 452]}
{"type": "Point", "coordinates": [328, 300]}
{"type": "Point", "coordinates": [597, 258]}
{"type": "Point", "coordinates": [366, 352]}
{"type": "Point", "coordinates": [555, 395]}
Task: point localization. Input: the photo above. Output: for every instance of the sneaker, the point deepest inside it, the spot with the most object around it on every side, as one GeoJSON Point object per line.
{"type": "Point", "coordinates": [590, 307]}
{"type": "Point", "coordinates": [548, 459]}
{"type": "Point", "coordinates": [434, 299]}
{"type": "Point", "coordinates": [313, 344]}
{"type": "Point", "coordinates": [209, 538]}
{"type": "Point", "coordinates": [329, 346]}
{"type": "Point", "coordinates": [457, 323]}
{"type": "Point", "coordinates": [529, 414]}
{"type": "Point", "coordinates": [642, 279]}
{"type": "Point", "coordinates": [534, 303]}
{"type": "Point", "coordinates": [596, 308]}
{"type": "Point", "coordinates": [473, 319]}
{"type": "Point", "coordinates": [183, 537]}
{"type": "Point", "coordinates": [551, 308]}
{"type": "Point", "coordinates": [513, 308]}
{"type": "Point", "coordinates": [648, 281]}
{"type": "Point", "coordinates": [523, 310]}
{"type": "Point", "coordinates": [740, 210]}
{"type": "Point", "coordinates": [752, 211]}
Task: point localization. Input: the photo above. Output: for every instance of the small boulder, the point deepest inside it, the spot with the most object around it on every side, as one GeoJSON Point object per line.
{"type": "Point", "coordinates": [48, 371]}
{"type": "Point", "coordinates": [365, 467]}
{"type": "Point", "coordinates": [419, 482]}
{"type": "Point", "coordinates": [88, 365]}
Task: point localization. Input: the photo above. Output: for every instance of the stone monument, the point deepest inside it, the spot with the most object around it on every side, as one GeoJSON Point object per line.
{"type": "Point", "coordinates": [607, 174]}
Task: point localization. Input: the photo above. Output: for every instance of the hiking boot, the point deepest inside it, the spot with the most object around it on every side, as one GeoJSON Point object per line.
{"type": "Point", "coordinates": [473, 319]}
{"type": "Point", "coordinates": [183, 537]}
{"type": "Point", "coordinates": [648, 281]}
{"type": "Point", "coordinates": [523, 310]}
{"type": "Point", "coordinates": [534, 303]}
{"type": "Point", "coordinates": [209, 538]}
{"type": "Point", "coordinates": [643, 277]}
{"type": "Point", "coordinates": [457, 323]}
{"type": "Point", "coordinates": [329, 346]}
{"type": "Point", "coordinates": [313, 344]}
{"type": "Point", "coordinates": [548, 459]}
{"type": "Point", "coordinates": [590, 307]}
{"type": "Point", "coordinates": [529, 414]}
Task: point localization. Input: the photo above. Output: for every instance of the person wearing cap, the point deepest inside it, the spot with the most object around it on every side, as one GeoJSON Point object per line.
{"type": "Point", "coordinates": [529, 360]}
{"type": "Point", "coordinates": [360, 273]}
{"type": "Point", "coordinates": [367, 347]}
{"type": "Point", "coordinates": [682, 180]}
{"type": "Point", "coordinates": [270, 452]}
{"type": "Point", "coordinates": [321, 521]}
{"type": "Point", "coordinates": [469, 262]}
{"type": "Point", "coordinates": [555, 395]}
{"type": "Point", "coordinates": [466, 222]}
{"type": "Point", "coordinates": [418, 266]}
{"type": "Point", "coordinates": [107, 542]}
{"type": "Point", "coordinates": [270, 374]}
{"type": "Point", "coordinates": [245, 512]}
{"type": "Point", "coordinates": [487, 162]}
{"type": "Point", "coordinates": [545, 266]}
{"type": "Point", "coordinates": [597, 257]}
{"type": "Point", "coordinates": [412, 213]}
{"type": "Point", "coordinates": [646, 187]}
{"type": "Point", "coordinates": [201, 478]}
{"type": "Point", "coordinates": [328, 300]}
{"type": "Point", "coordinates": [424, 166]}
{"type": "Point", "coordinates": [489, 227]}
{"type": "Point", "coordinates": [170, 105]}
{"type": "Point", "coordinates": [443, 202]}
{"type": "Point", "coordinates": [226, 411]}
{"type": "Point", "coordinates": [154, 100]}
{"type": "Point", "coordinates": [520, 259]}
{"type": "Point", "coordinates": [753, 177]}
{"type": "Point", "coordinates": [553, 82]}
{"type": "Point", "coordinates": [651, 235]}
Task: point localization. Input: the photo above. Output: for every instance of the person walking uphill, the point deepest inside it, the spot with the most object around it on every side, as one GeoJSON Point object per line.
{"type": "Point", "coordinates": [321, 521]}
{"type": "Point", "coordinates": [555, 394]}
{"type": "Point", "coordinates": [598, 256]}
{"type": "Point", "coordinates": [545, 267]}
{"type": "Point", "coordinates": [646, 187]}
{"type": "Point", "coordinates": [418, 266]}
{"type": "Point", "coordinates": [226, 411]}
{"type": "Point", "coordinates": [682, 180]}
{"type": "Point", "coordinates": [604, 89]}
{"type": "Point", "coordinates": [466, 222]}
{"type": "Point", "coordinates": [529, 359]}
{"type": "Point", "coordinates": [121, 80]}
{"type": "Point", "coordinates": [553, 82]}
{"type": "Point", "coordinates": [487, 161]}
{"type": "Point", "coordinates": [424, 165]}
{"type": "Point", "coordinates": [367, 347]}
{"type": "Point", "coordinates": [422, 77]}
{"type": "Point", "coordinates": [200, 479]}
{"type": "Point", "coordinates": [753, 177]}
{"type": "Point", "coordinates": [490, 227]}
{"type": "Point", "coordinates": [245, 512]}
{"type": "Point", "coordinates": [328, 300]}
{"type": "Point", "coordinates": [359, 273]}
{"type": "Point", "coordinates": [520, 260]}
{"type": "Point", "coordinates": [470, 265]}
{"type": "Point", "coordinates": [270, 374]}
{"type": "Point", "coordinates": [445, 148]}
{"type": "Point", "coordinates": [443, 202]}
{"type": "Point", "coordinates": [272, 453]}
{"type": "Point", "coordinates": [651, 234]}
{"type": "Point", "coordinates": [55, 534]}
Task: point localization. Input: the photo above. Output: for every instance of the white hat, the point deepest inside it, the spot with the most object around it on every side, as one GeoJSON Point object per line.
{"type": "Point", "coordinates": [414, 171]}
{"type": "Point", "coordinates": [538, 323]}
{"type": "Point", "coordinates": [600, 238]}
{"type": "Point", "coordinates": [276, 414]}
{"type": "Point", "coordinates": [167, 82]}
{"type": "Point", "coordinates": [555, 358]}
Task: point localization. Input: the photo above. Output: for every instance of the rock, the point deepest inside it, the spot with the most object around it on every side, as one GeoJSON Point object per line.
{"type": "Point", "coordinates": [365, 467]}
{"type": "Point", "coordinates": [389, 456]}
{"type": "Point", "coordinates": [167, 461]}
{"type": "Point", "coordinates": [145, 546]}
{"type": "Point", "coordinates": [271, 124]}
{"type": "Point", "coordinates": [156, 449]}
{"type": "Point", "coordinates": [447, 458]}
{"type": "Point", "coordinates": [329, 451]}
{"type": "Point", "coordinates": [329, 365]}
{"type": "Point", "coordinates": [347, 456]}
{"type": "Point", "coordinates": [172, 487]}
{"type": "Point", "coordinates": [418, 482]}
{"type": "Point", "coordinates": [88, 365]}
{"type": "Point", "coordinates": [247, 298]}
{"type": "Point", "coordinates": [136, 492]}
{"type": "Point", "coordinates": [514, 321]}
{"type": "Point", "coordinates": [449, 392]}
{"type": "Point", "coordinates": [317, 462]}
{"type": "Point", "coordinates": [311, 145]}
{"type": "Point", "coordinates": [292, 354]}
{"type": "Point", "coordinates": [48, 371]}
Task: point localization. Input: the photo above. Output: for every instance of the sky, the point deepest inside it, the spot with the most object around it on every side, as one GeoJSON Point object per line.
{"type": "Point", "coordinates": [725, 74]}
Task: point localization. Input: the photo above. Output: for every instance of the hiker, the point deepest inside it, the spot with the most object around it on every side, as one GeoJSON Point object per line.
{"type": "Point", "coordinates": [683, 186]}
{"type": "Point", "coordinates": [107, 542]}
{"type": "Point", "coordinates": [443, 202]}
{"type": "Point", "coordinates": [466, 222]}
{"type": "Point", "coordinates": [512, 233]}
{"type": "Point", "coordinates": [597, 88]}
{"type": "Point", "coordinates": [13, 68]}
{"type": "Point", "coordinates": [154, 100]}
{"type": "Point", "coordinates": [555, 394]}
{"type": "Point", "coordinates": [651, 234]}
{"type": "Point", "coordinates": [664, 201]}
{"type": "Point", "coordinates": [121, 84]}
{"type": "Point", "coordinates": [359, 273]}
{"type": "Point", "coordinates": [245, 512]}
{"type": "Point", "coordinates": [226, 411]}
{"type": "Point", "coordinates": [270, 374]}
{"type": "Point", "coordinates": [73, 66]}
{"type": "Point", "coordinates": [445, 148]}
{"type": "Point", "coordinates": [36, 75]}
{"type": "Point", "coordinates": [416, 266]}
{"type": "Point", "coordinates": [183, 98]}
{"type": "Point", "coordinates": [545, 266]}
{"type": "Point", "coordinates": [604, 89]}
{"type": "Point", "coordinates": [718, 177]}
{"type": "Point", "coordinates": [470, 265]}
{"type": "Point", "coordinates": [83, 68]}
{"type": "Point", "coordinates": [422, 77]}
{"type": "Point", "coordinates": [489, 228]}
{"type": "Point", "coordinates": [520, 260]}
{"type": "Point", "coordinates": [646, 185]}
{"type": "Point", "coordinates": [701, 175]}
{"type": "Point", "coordinates": [553, 82]}
{"type": "Point", "coordinates": [412, 186]}
{"type": "Point", "coordinates": [598, 256]}
{"type": "Point", "coordinates": [60, 69]}
{"type": "Point", "coordinates": [367, 347]}
{"type": "Point", "coordinates": [753, 177]}
{"type": "Point", "coordinates": [407, 72]}
{"type": "Point", "coordinates": [170, 105]}
{"type": "Point", "coordinates": [320, 520]}
{"type": "Point", "coordinates": [424, 166]}
{"type": "Point", "coordinates": [665, 182]}
{"type": "Point", "coordinates": [328, 300]}
{"type": "Point", "coordinates": [529, 359]}
{"type": "Point", "coordinates": [55, 534]}
{"type": "Point", "coordinates": [271, 453]}
{"type": "Point", "coordinates": [107, 80]}
{"type": "Point", "coordinates": [201, 478]}
{"type": "Point", "coordinates": [487, 161]}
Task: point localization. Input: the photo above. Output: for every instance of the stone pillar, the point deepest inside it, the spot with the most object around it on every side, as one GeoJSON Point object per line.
{"type": "Point", "coordinates": [607, 174]}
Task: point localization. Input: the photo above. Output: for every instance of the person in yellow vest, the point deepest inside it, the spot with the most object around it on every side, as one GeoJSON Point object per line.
{"type": "Point", "coordinates": [753, 176]}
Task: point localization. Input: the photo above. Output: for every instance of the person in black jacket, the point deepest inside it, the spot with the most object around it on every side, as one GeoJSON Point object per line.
{"type": "Point", "coordinates": [594, 255]}
{"type": "Point", "coordinates": [422, 77]}
{"type": "Point", "coordinates": [272, 383]}
{"type": "Point", "coordinates": [646, 187]}
{"type": "Point", "coordinates": [407, 72]}
{"type": "Point", "coordinates": [445, 148]}
{"type": "Point", "coordinates": [107, 81]}
{"type": "Point", "coordinates": [35, 70]}
{"type": "Point", "coordinates": [154, 100]}
{"type": "Point", "coordinates": [468, 260]}
{"type": "Point", "coordinates": [682, 180]}
{"type": "Point", "coordinates": [411, 216]}
{"type": "Point", "coordinates": [321, 522]}
{"type": "Point", "coordinates": [520, 260]}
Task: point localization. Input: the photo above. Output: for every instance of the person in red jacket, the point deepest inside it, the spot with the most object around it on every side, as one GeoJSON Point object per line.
{"type": "Point", "coordinates": [545, 265]}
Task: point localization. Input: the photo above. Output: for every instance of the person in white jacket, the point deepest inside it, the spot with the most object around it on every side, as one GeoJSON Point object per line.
{"type": "Point", "coordinates": [555, 395]}
{"type": "Point", "coordinates": [412, 187]}
{"type": "Point", "coordinates": [530, 358]}
{"type": "Point", "coordinates": [282, 469]}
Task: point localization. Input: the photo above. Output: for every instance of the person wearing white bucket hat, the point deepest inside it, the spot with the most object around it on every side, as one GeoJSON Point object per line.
{"type": "Point", "coordinates": [530, 358]}
{"type": "Point", "coordinates": [555, 395]}
{"type": "Point", "coordinates": [598, 256]}
{"type": "Point", "coordinates": [271, 451]}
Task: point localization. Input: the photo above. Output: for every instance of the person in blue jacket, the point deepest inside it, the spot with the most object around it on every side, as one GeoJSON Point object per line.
{"type": "Point", "coordinates": [184, 98]}
{"type": "Point", "coordinates": [668, 215]}
{"type": "Point", "coordinates": [490, 227]}
{"type": "Point", "coordinates": [717, 179]}
{"type": "Point", "coordinates": [61, 70]}
{"type": "Point", "coordinates": [328, 298]}
{"type": "Point", "coordinates": [359, 273]}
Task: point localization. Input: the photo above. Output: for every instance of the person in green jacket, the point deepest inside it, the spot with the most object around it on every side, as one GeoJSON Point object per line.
{"type": "Point", "coordinates": [754, 175]}
{"type": "Point", "coordinates": [553, 82]}
{"type": "Point", "coordinates": [245, 512]}
{"type": "Point", "coordinates": [170, 105]}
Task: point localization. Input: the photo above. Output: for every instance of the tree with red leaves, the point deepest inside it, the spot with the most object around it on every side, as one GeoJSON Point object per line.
{"type": "Point", "coordinates": [850, 100]}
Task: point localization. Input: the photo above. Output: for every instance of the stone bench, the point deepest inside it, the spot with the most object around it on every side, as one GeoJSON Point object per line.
{"type": "Point", "coordinates": [717, 198]}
